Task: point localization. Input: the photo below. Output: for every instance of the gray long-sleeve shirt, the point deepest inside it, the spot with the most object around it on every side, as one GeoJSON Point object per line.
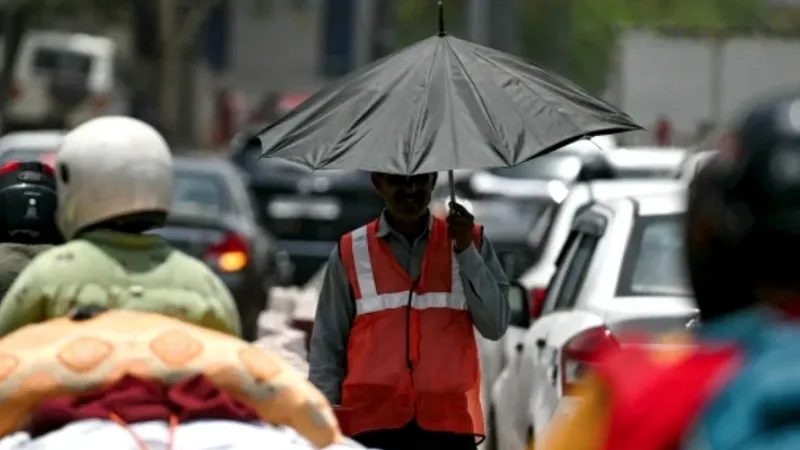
{"type": "Point", "coordinates": [485, 286]}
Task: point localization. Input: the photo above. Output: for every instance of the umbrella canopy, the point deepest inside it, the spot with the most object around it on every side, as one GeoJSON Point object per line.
{"type": "Point", "coordinates": [441, 104]}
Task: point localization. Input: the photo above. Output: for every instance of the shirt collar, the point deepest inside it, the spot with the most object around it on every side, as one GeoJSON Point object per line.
{"type": "Point", "coordinates": [384, 229]}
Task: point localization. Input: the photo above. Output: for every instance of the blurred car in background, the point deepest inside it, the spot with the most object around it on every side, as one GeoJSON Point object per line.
{"type": "Point", "coordinates": [62, 79]}
{"type": "Point", "coordinates": [693, 163]}
{"type": "Point", "coordinates": [506, 223]}
{"type": "Point", "coordinates": [544, 176]}
{"type": "Point", "coordinates": [547, 236]}
{"type": "Point", "coordinates": [308, 211]}
{"type": "Point", "coordinates": [620, 270]}
{"type": "Point", "coordinates": [41, 145]}
{"type": "Point", "coordinates": [647, 162]}
{"type": "Point", "coordinates": [213, 218]}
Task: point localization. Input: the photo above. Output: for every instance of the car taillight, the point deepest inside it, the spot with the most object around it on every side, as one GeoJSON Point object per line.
{"type": "Point", "coordinates": [537, 301]}
{"type": "Point", "coordinates": [580, 352]}
{"type": "Point", "coordinates": [229, 254]}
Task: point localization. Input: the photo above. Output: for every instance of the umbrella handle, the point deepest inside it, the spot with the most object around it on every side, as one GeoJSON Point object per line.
{"type": "Point", "coordinates": [452, 183]}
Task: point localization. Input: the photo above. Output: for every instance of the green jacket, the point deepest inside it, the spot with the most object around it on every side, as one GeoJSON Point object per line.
{"type": "Point", "coordinates": [116, 270]}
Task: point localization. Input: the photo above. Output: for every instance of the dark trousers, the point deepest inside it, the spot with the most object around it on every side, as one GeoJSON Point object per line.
{"type": "Point", "coordinates": [412, 437]}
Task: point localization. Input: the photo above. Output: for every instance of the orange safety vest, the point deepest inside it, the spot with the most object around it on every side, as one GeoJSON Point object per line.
{"type": "Point", "coordinates": [412, 353]}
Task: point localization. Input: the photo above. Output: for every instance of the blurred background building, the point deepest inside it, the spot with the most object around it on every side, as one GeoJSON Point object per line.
{"type": "Point", "coordinates": [202, 69]}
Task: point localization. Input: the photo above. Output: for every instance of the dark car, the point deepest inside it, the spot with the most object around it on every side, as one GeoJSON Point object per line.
{"type": "Point", "coordinates": [308, 211]}
{"type": "Point", "coordinates": [507, 224]}
{"type": "Point", "coordinates": [213, 218]}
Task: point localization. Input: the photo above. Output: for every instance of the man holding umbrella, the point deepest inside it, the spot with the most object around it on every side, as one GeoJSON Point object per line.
{"type": "Point", "coordinates": [393, 340]}
{"type": "Point", "coordinates": [394, 343]}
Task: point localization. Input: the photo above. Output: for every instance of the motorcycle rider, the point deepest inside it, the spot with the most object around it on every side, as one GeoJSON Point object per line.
{"type": "Point", "coordinates": [114, 181]}
{"type": "Point", "coordinates": [737, 386]}
{"type": "Point", "coordinates": [27, 216]}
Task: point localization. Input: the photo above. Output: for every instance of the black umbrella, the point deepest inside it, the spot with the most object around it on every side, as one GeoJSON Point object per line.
{"type": "Point", "coordinates": [441, 104]}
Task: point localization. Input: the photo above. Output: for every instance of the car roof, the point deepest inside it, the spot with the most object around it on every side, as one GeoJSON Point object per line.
{"type": "Point", "coordinates": [652, 204]}
{"type": "Point", "coordinates": [656, 156]}
{"type": "Point", "coordinates": [207, 164]}
{"type": "Point", "coordinates": [601, 189]}
{"type": "Point", "coordinates": [32, 139]}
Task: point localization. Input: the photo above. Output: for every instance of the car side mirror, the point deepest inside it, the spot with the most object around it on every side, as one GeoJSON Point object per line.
{"type": "Point", "coordinates": [518, 303]}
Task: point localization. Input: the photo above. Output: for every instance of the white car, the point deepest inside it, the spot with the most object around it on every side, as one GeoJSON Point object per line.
{"type": "Point", "coordinates": [39, 145]}
{"type": "Point", "coordinates": [63, 79]}
{"type": "Point", "coordinates": [549, 235]}
{"type": "Point", "coordinates": [621, 269]}
{"type": "Point", "coordinates": [647, 162]}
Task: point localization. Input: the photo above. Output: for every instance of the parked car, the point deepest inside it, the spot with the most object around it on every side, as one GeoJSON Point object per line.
{"type": "Point", "coordinates": [621, 269]}
{"type": "Point", "coordinates": [308, 211]}
{"type": "Point", "coordinates": [213, 218]}
{"type": "Point", "coordinates": [548, 235]}
{"type": "Point", "coordinates": [647, 162]}
{"type": "Point", "coordinates": [548, 175]}
{"type": "Point", "coordinates": [693, 163]}
{"type": "Point", "coordinates": [62, 79]}
{"type": "Point", "coordinates": [39, 145]}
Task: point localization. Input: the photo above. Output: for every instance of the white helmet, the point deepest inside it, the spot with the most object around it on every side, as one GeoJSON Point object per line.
{"type": "Point", "coordinates": [110, 167]}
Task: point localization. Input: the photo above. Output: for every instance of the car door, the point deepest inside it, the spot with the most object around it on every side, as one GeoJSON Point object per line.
{"type": "Point", "coordinates": [541, 353]}
{"type": "Point", "coordinates": [516, 392]}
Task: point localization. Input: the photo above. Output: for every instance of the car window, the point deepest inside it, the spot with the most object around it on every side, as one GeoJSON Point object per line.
{"type": "Point", "coordinates": [654, 258]}
{"type": "Point", "coordinates": [200, 193]}
{"type": "Point", "coordinates": [48, 60]}
{"type": "Point", "coordinates": [571, 273]}
{"type": "Point", "coordinates": [548, 167]}
{"type": "Point", "coordinates": [557, 280]}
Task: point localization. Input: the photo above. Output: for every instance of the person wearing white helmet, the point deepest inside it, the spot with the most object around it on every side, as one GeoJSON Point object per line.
{"type": "Point", "coordinates": [114, 181]}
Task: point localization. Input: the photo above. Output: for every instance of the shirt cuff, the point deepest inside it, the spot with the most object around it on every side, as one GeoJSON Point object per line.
{"type": "Point", "coordinates": [469, 261]}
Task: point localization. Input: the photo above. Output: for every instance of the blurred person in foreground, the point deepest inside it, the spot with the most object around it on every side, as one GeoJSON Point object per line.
{"type": "Point", "coordinates": [128, 379]}
{"type": "Point", "coordinates": [394, 344]}
{"type": "Point", "coordinates": [27, 216]}
{"type": "Point", "coordinates": [114, 183]}
{"type": "Point", "coordinates": [733, 383]}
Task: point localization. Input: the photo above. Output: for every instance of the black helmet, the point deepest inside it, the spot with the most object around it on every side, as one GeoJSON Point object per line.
{"type": "Point", "coordinates": [744, 209]}
{"type": "Point", "coordinates": [28, 202]}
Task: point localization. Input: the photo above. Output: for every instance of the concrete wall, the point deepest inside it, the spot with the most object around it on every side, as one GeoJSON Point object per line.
{"type": "Point", "coordinates": [693, 79]}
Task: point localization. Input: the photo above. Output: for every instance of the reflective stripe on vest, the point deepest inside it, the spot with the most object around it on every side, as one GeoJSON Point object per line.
{"type": "Point", "coordinates": [412, 353]}
{"type": "Point", "coordinates": [370, 301]}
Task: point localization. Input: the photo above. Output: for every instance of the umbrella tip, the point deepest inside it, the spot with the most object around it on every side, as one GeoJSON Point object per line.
{"type": "Point", "coordinates": [442, 33]}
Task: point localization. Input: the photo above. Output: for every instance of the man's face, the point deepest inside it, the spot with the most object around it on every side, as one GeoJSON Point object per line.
{"type": "Point", "coordinates": [406, 197]}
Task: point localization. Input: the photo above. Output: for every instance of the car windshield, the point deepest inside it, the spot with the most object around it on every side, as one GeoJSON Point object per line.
{"type": "Point", "coordinates": [44, 155]}
{"type": "Point", "coordinates": [199, 193]}
{"type": "Point", "coordinates": [504, 217]}
{"type": "Point", "coordinates": [548, 167]}
{"type": "Point", "coordinates": [654, 258]}
{"type": "Point", "coordinates": [49, 60]}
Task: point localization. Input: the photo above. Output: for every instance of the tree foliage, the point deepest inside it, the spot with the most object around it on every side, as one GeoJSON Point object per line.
{"type": "Point", "coordinates": [577, 37]}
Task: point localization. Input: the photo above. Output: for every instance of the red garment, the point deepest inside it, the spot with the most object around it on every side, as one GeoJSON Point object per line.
{"type": "Point", "coordinates": [412, 353]}
{"type": "Point", "coordinates": [652, 404]}
{"type": "Point", "coordinates": [135, 400]}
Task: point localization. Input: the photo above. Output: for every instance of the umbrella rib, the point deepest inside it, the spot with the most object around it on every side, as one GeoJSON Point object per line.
{"type": "Point", "coordinates": [480, 101]}
{"type": "Point", "coordinates": [528, 87]}
{"type": "Point", "coordinates": [423, 106]}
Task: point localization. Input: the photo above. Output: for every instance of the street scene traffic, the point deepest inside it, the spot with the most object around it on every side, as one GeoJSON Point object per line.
{"type": "Point", "coordinates": [399, 225]}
